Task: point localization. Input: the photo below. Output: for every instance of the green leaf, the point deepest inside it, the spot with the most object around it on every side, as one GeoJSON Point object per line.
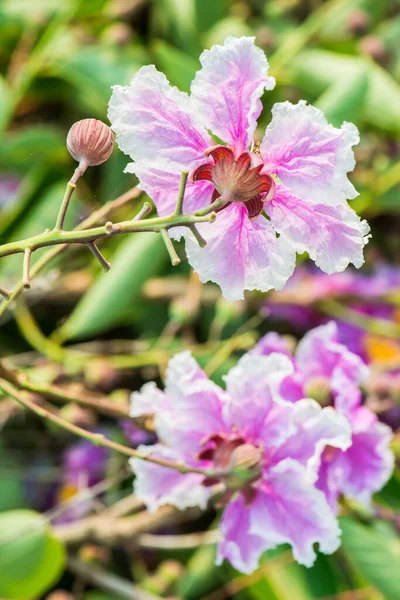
{"type": "Point", "coordinates": [34, 145]}
{"type": "Point", "coordinates": [181, 17]}
{"type": "Point", "coordinates": [178, 66]}
{"type": "Point", "coordinates": [287, 581]}
{"type": "Point", "coordinates": [93, 70]}
{"type": "Point", "coordinates": [201, 575]}
{"type": "Point", "coordinates": [222, 29]}
{"type": "Point", "coordinates": [140, 257]}
{"type": "Point", "coordinates": [344, 102]}
{"type": "Point", "coordinates": [373, 555]}
{"type": "Point", "coordinates": [31, 558]}
{"type": "Point", "coordinates": [316, 70]}
{"type": "Point", "coordinates": [5, 103]}
{"type": "Point", "coordinates": [209, 12]}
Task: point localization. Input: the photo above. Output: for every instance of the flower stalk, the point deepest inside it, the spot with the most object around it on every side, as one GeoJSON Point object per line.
{"type": "Point", "coordinates": [90, 236]}
{"type": "Point", "coordinates": [96, 438]}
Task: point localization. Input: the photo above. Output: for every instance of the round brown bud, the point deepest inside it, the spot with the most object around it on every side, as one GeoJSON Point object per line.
{"type": "Point", "coordinates": [358, 21]}
{"type": "Point", "coordinates": [373, 46]}
{"type": "Point", "coordinates": [90, 141]}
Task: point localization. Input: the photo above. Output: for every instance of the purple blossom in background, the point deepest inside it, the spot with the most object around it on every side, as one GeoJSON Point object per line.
{"type": "Point", "coordinates": [297, 176]}
{"type": "Point", "coordinates": [9, 185]}
{"type": "Point", "coordinates": [135, 435]}
{"type": "Point", "coordinates": [84, 466]}
{"type": "Point", "coordinates": [266, 449]}
{"type": "Point", "coordinates": [364, 294]}
{"type": "Point", "coordinates": [322, 363]}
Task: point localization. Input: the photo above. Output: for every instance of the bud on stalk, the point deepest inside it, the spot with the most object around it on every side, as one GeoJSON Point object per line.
{"type": "Point", "coordinates": [90, 142]}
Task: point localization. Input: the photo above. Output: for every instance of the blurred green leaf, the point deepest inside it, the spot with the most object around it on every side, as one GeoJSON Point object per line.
{"type": "Point", "coordinates": [316, 70]}
{"type": "Point", "coordinates": [344, 102]}
{"type": "Point", "coordinates": [373, 556]}
{"type": "Point", "coordinates": [209, 12]}
{"type": "Point", "coordinates": [94, 70]}
{"type": "Point", "coordinates": [287, 581]}
{"type": "Point", "coordinates": [181, 17]}
{"type": "Point", "coordinates": [179, 68]}
{"type": "Point", "coordinates": [201, 575]}
{"type": "Point", "coordinates": [33, 145]}
{"type": "Point", "coordinates": [140, 257]}
{"type": "Point", "coordinates": [222, 29]}
{"type": "Point", "coordinates": [94, 595]}
{"type": "Point", "coordinates": [12, 493]}
{"type": "Point", "coordinates": [5, 101]}
{"type": "Point", "coordinates": [41, 215]}
{"type": "Point", "coordinates": [31, 558]}
{"type": "Point", "coordinates": [337, 26]}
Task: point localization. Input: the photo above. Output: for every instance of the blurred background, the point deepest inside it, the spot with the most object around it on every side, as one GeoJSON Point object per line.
{"type": "Point", "coordinates": [102, 335]}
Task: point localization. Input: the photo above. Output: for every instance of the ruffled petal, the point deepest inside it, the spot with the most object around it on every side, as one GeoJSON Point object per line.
{"type": "Point", "coordinates": [195, 406]}
{"type": "Point", "coordinates": [368, 463]}
{"type": "Point", "coordinates": [316, 428]}
{"type": "Point", "coordinates": [241, 254]}
{"type": "Point", "coordinates": [153, 122]}
{"type": "Point", "coordinates": [148, 401]}
{"type": "Point", "coordinates": [334, 236]}
{"type": "Point", "coordinates": [240, 547]}
{"type": "Point", "coordinates": [156, 485]}
{"type": "Point", "coordinates": [320, 354]}
{"type": "Point", "coordinates": [291, 510]}
{"type": "Point", "coordinates": [226, 91]}
{"type": "Point", "coordinates": [308, 154]}
{"type": "Point", "coordinates": [270, 343]}
{"type": "Point", "coordinates": [255, 408]}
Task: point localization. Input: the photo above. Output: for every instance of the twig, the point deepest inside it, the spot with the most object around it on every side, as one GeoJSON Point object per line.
{"type": "Point", "coordinates": [108, 581]}
{"type": "Point", "coordinates": [181, 193]}
{"type": "Point", "coordinates": [96, 252]}
{"type": "Point", "coordinates": [179, 542]}
{"type": "Point", "coordinates": [86, 236]}
{"type": "Point", "coordinates": [199, 238]}
{"type": "Point", "coordinates": [372, 325]}
{"type": "Point", "coordinates": [64, 205]}
{"type": "Point", "coordinates": [27, 268]}
{"type": "Point", "coordinates": [60, 394]}
{"type": "Point", "coordinates": [97, 439]}
{"type": "Point", "coordinates": [101, 530]}
{"type": "Point", "coordinates": [58, 236]}
{"type": "Point", "coordinates": [225, 351]}
{"type": "Point", "coordinates": [96, 217]}
{"type": "Point", "coordinates": [175, 260]}
{"type": "Point", "coordinates": [5, 293]}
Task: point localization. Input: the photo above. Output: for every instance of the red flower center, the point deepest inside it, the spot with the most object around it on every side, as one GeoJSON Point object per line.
{"type": "Point", "coordinates": [237, 180]}
{"type": "Point", "coordinates": [235, 462]}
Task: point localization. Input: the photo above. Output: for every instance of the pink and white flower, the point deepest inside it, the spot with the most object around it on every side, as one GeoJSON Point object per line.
{"type": "Point", "coordinates": [321, 362]}
{"type": "Point", "coordinates": [289, 195]}
{"type": "Point", "coordinates": [265, 449]}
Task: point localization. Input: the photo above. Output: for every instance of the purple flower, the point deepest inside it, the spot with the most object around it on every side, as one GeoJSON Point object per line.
{"type": "Point", "coordinates": [9, 185]}
{"type": "Point", "coordinates": [84, 466]}
{"type": "Point", "coordinates": [265, 449]}
{"type": "Point", "coordinates": [363, 468]}
{"type": "Point", "coordinates": [297, 176]}
{"type": "Point", "coordinates": [296, 305]}
{"type": "Point", "coordinates": [135, 435]}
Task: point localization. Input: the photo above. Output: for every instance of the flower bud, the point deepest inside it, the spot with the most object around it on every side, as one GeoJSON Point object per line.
{"type": "Point", "coordinates": [244, 465]}
{"type": "Point", "coordinates": [319, 389]}
{"type": "Point", "coordinates": [90, 142]}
